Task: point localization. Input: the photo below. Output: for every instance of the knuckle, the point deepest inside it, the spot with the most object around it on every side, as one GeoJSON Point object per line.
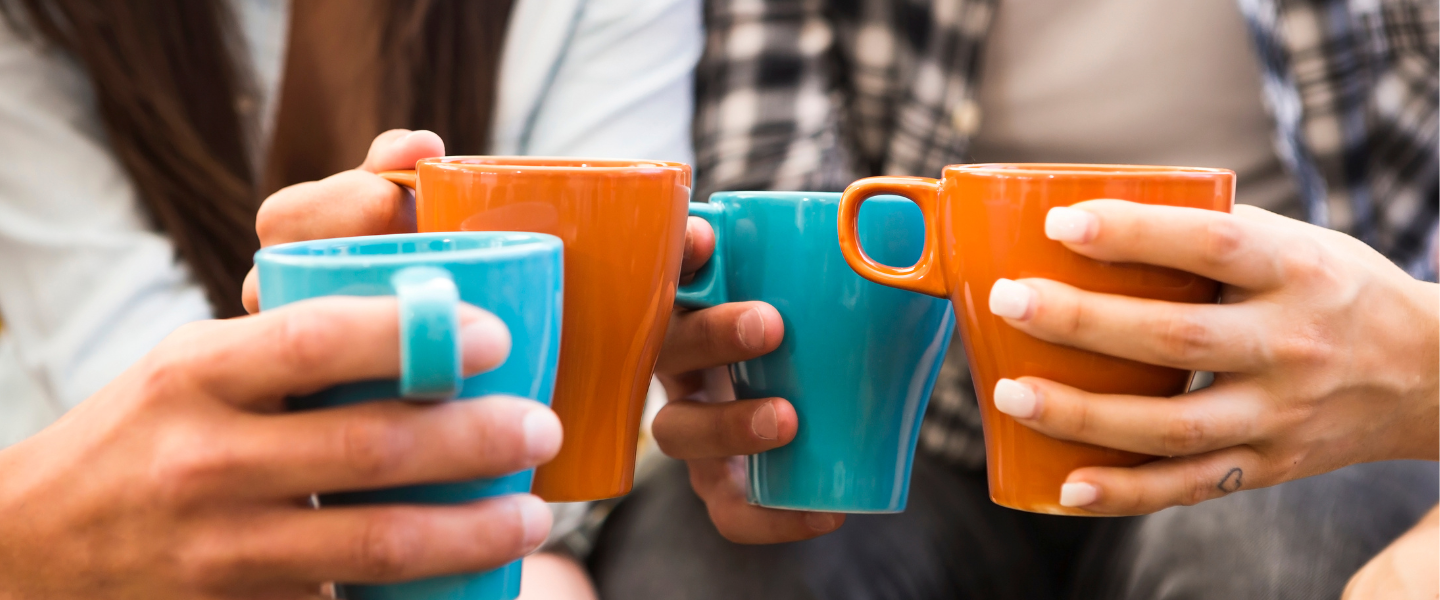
{"type": "Point", "coordinates": [1186, 434]}
{"type": "Point", "coordinates": [276, 211]}
{"type": "Point", "coordinates": [306, 339]}
{"type": "Point", "coordinates": [1306, 347]}
{"type": "Point", "coordinates": [1199, 487]}
{"type": "Point", "coordinates": [369, 447]}
{"type": "Point", "coordinates": [184, 465]}
{"type": "Point", "coordinates": [1308, 263]}
{"type": "Point", "coordinates": [388, 545]}
{"type": "Point", "coordinates": [1223, 240]}
{"type": "Point", "coordinates": [1183, 338]}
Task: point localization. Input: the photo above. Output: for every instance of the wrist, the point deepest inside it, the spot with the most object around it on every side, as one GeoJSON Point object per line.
{"type": "Point", "coordinates": [1423, 393]}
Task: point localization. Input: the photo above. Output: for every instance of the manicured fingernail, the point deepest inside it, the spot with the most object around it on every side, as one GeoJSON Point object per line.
{"type": "Point", "coordinates": [1015, 399]}
{"type": "Point", "coordinates": [765, 423]}
{"type": "Point", "coordinates": [484, 343]}
{"type": "Point", "coordinates": [1010, 300]}
{"type": "Point", "coordinates": [542, 434]}
{"type": "Point", "coordinates": [820, 522]}
{"type": "Point", "coordinates": [1064, 224]}
{"type": "Point", "coordinates": [751, 328]}
{"type": "Point", "coordinates": [535, 519]}
{"type": "Point", "coordinates": [1076, 495]}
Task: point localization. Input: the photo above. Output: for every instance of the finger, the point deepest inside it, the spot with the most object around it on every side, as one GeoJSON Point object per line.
{"type": "Point", "coordinates": [377, 544]}
{"type": "Point", "coordinates": [699, 244]}
{"type": "Point", "coordinates": [1210, 419]}
{"type": "Point", "coordinates": [401, 149]}
{"type": "Point", "coordinates": [720, 483]}
{"type": "Point", "coordinates": [346, 204]}
{"type": "Point", "coordinates": [250, 292]}
{"type": "Point", "coordinates": [1232, 248]}
{"type": "Point", "coordinates": [308, 346]}
{"type": "Point", "coordinates": [1164, 483]}
{"type": "Point", "coordinates": [720, 335]}
{"type": "Point", "coordinates": [686, 430]}
{"type": "Point", "coordinates": [376, 445]}
{"type": "Point", "coordinates": [1198, 337]}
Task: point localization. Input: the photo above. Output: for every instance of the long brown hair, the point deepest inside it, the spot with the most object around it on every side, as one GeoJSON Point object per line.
{"type": "Point", "coordinates": [175, 98]}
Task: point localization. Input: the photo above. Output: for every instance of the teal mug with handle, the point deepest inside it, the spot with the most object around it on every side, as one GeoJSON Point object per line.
{"type": "Point", "coordinates": [515, 276]}
{"type": "Point", "coordinates": [858, 360]}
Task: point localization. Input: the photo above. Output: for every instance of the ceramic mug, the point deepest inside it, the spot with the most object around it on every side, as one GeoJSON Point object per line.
{"type": "Point", "coordinates": [623, 224]}
{"type": "Point", "coordinates": [986, 222]}
{"type": "Point", "coordinates": [516, 276]}
{"type": "Point", "coordinates": [858, 360]}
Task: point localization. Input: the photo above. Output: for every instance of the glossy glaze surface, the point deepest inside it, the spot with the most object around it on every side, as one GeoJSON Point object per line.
{"type": "Point", "coordinates": [989, 223]}
{"type": "Point", "coordinates": [858, 360]}
{"type": "Point", "coordinates": [517, 276]}
{"type": "Point", "coordinates": [623, 224]}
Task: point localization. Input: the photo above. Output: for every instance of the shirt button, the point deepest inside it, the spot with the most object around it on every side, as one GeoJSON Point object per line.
{"type": "Point", "coordinates": [965, 117]}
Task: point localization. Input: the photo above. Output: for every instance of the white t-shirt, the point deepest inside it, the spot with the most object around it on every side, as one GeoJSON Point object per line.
{"type": "Point", "coordinates": [87, 286]}
{"type": "Point", "coordinates": [1167, 82]}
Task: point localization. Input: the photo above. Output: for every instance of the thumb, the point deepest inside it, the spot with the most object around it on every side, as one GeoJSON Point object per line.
{"type": "Point", "coordinates": [400, 148]}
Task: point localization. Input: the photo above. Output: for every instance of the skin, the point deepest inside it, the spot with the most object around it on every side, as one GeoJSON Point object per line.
{"type": "Point", "coordinates": [1325, 355]}
{"type": "Point", "coordinates": [1407, 570]}
{"type": "Point", "coordinates": [358, 202]}
{"type": "Point", "coordinates": [185, 478]}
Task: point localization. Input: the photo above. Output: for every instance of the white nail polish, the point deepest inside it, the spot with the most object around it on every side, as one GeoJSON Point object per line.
{"type": "Point", "coordinates": [1064, 224]}
{"type": "Point", "coordinates": [1010, 300]}
{"type": "Point", "coordinates": [1075, 495]}
{"type": "Point", "coordinates": [1015, 399]}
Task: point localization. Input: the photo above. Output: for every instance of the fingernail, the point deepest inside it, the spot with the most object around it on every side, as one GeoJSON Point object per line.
{"type": "Point", "coordinates": [535, 520]}
{"type": "Point", "coordinates": [1010, 300]}
{"type": "Point", "coordinates": [751, 328]}
{"type": "Point", "coordinates": [484, 343]}
{"type": "Point", "coordinates": [1015, 399]}
{"type": "Point", "coordinates": [765, 423]}
{"type": "Point", "coordinates": [820, 522]}
{"type": "Point", "coordinates": [542, 434]}
{"type": "Point", "coordinates": [1076, 495]}
{"type": "Point", "coordinates": [1064, 224]}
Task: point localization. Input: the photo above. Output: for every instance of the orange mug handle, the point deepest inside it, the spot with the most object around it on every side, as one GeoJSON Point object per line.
{"type": "Point", "coordinates": [404, 177]}
{"type": "Point", "coordinates": [925, 276]}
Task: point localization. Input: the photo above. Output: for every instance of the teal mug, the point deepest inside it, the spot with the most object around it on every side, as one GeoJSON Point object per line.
{"type": "Point", "coordinates": [516, 276]}
{"type": "Point", "coordinates": [858, 360]}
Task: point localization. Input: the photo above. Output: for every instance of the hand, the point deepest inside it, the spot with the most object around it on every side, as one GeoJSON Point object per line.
{"type": "Point", "coordinates": [712, 436]}
{"type": "Point", "coordinates": [1324, 352]}
{"type": "Point", "coordinates": [1406, 570]}
{"type": "Point", "coordinates": [351, 203]}
{"type": "Point", "coordinates": [184, 478]}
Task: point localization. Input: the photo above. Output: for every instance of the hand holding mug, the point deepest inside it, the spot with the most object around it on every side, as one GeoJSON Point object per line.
{"type": "Point", "coordinates": [713, 437]}
{"type": "Point", "coordinates": [1324, 354]}
{"type": "Point", "coordinates": [183, 478]}
{"type": "Point", "coordinates": [346, 204]}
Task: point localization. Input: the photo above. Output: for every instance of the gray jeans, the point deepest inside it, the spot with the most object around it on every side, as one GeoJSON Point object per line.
{"type": "Point", "coordinates": [1300, 540]}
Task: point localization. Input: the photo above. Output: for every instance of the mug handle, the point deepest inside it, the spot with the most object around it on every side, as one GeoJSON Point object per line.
{"type": "Point", "coordinates": [429, 333]}
{"type": "Point", "coordinates": [707, 289]}
{"type": "Point", "coordinates": [925, 276]}
{"type": "Point", "coordinates": [405, 177]}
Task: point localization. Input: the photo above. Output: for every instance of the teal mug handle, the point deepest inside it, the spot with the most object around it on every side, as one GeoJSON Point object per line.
{"type": "Point", "coordinates": [429, 333]}
{"type": "Point", "coordinates": [707, 289]}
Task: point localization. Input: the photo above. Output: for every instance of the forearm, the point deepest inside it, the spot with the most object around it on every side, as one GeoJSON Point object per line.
{"type": "Point", "coordinates": [1408, 568]}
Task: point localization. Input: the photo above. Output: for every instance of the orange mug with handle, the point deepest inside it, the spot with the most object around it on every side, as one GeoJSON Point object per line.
{"type": "Point", "coordinates": [623, 226]}
{"type": "Point", "coordinates": [986, 222]}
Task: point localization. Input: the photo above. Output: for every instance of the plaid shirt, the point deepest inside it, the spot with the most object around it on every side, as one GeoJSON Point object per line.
{"type": "Point", "coordinates": [809, 94]}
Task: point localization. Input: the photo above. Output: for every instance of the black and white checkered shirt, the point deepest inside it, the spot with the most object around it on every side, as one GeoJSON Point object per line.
{"type": "Point", "coordinates": [811, 95]}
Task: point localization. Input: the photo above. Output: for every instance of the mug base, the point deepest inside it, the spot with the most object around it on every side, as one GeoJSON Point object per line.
{"type": "Point", "coordinates": [827, 508]}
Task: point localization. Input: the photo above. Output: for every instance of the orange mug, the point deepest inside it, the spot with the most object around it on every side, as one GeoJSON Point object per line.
{"type": "Point", "coordinates": [623, 225]}
{"type": "Point", "coordinates": [986, 222]}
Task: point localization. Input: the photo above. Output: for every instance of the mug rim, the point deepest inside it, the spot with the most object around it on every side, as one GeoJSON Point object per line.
{"type": "Point", "coordinates": [538, 163]}
{"type": "Point", "coordinates": [1083, 170]}
{"type": "Point", "coordinates": [520, 244]}
{"type": "Point", "coordinates": [793, 195]}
